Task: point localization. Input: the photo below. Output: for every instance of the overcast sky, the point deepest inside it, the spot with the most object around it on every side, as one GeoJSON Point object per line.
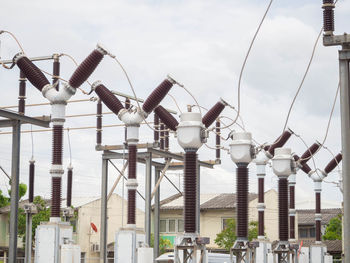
{"type": "Point", "coordinates": [202, 44]}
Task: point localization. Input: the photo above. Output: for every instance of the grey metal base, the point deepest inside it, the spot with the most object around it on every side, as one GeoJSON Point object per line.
{"type": "Point", "coordinates": [244, 251]}
{"type": "Point", "coordinates": [191, 248]}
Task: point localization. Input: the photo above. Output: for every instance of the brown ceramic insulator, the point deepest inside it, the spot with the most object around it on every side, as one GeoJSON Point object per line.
{"type": "Point", "coordinates": [69, 187]}
{"type": "Point", "coordinates": [56, 72]}
{"type": "Point", "coordinates": [132, 207]}
{"type": "Point", "coordinates": [108, 98]}
{"type": "Point", "coordinates": [166, 118]}
{"type": "Point", "coordinates": [32, 73]}
{"type": "Point", "coordinates": [242, 201]}
{"type": "Point", "coordinates": [127, 103]}
{"type": "Point", "coordinates": [157, 96]}
{"type": "Point", "coordinates": [292, 227]}
{"type": "Point", "coordinates": [332, 164]}
{"type": "Point", "coordinates": [190, 192]}
{"type": "Point", "coordinates": [85, 69]}
{"type": "Point", "coordinates": [306, 168]}
{"type": "Point", "coordinates": [56, 197]}
{"type": "Point", "coordinates": [261, 186]}
{"type": "Point", "coordinates": [218, 140]}
{"type": "Point", "coordinates": [22, 93]}
{"type": "Point", "coordinates": [296, 157]}
{"type": "Point", "coordinates": [156, 128]}
{"type": "Point", "coordinates": [99, 123]}
{"type": "Point", "coordinates": [291, 196]}
{"type": "Point", "coordinates": [318, 203]}
{"type": "Point", "coordinates": [132, 149]}
{"type": "Point", "coordinates": [328, 16]}
{"type": "Point", "coordinates": [213, 113]}
{"type": "Point", "coordinates": [57, 144]}
{"type": "Point", "coordinates": [166, 139]}
{"type": "Point", "coordinates": [31, 182]}
{"type": "Point", "coordinates": [266, 147]}
{"type": "Point", "coordinates": [280, 141]}
{"type": "Point", "coordinates": [318, 230]}
{"type": "Point", "coordinates": [309, 152]}
{"type": "Point", "coordinates": [261, 223]}
{"type": "Point", "coordinates": [283, 209]}
{"type": "Point", "coordinates": [161, 136]}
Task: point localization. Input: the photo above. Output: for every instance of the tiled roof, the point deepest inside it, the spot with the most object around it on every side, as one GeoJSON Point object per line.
{"type": "Point", "coordinates": [307, 217]}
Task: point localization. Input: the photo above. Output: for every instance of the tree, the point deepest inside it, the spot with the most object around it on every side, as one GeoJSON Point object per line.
{"type": "Point", "coordinates": [5, 201]}
{"type": "Point", "coordinates": [164, 244]}
{"type": "Point", "coordinates": [227, 237]}
{"type": "Point", "coordinates": [334, 229]}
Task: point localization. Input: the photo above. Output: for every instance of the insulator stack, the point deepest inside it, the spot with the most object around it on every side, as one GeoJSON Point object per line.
{"type": "Point", "coordinates": [56, 196]}
{"type": "Point", "coordinates": [190, 192]}
{"type": "Point", "coordinates": [156, 128]}
{"type": "Point", "coordinates": [108, 98]}
{"type": "Point", "coordinates": [283, 208]}
{"type": "Point", "coordinates": [31, 180]}
{"type": "Point", "coordinates": [57, 144]}
{"type": "Point", "coordinates": [161, 136]}
{"type": "Point", "coordinates": [132, 149]}
{"type": "Point", "coordinates": [332, 164]}
{"type": "Point", "coordinates": [131, 207]}
{"type": "Point", "coordinates": [242, 201]}
{"type": "Point", "coordinates": [85, 69]}
{"type": "Point", "coordinates": [218, 140]}
{"type": "Point", "coordinates": [280, 141]}
{"type": "Point", "coordinates": [166, 139]}
{"type": "Point", "coordinates": [266, 147]}
{"type": "Point", "coordinates": [22, 93]}
{"type": "Point", "coordinates": [166, 118]}
{"type": "Point", "coordinates": [213, 113]}
{"type": "Point", "coordinates": [99, 123]}
{"type": "Point", "coordinates": [261, 200]}
{"type": "Point", "coordinates": [318, 212]}
{"type": "Point", "coordinates": [32, 73]}
{"type": "Point", "coordinates": [56, 71]}
{"type": "Point", "coordinates": [157, 96]}
{"type": "Point", "coordinates": [69, 186]}
{"type": "Point", "coordinates": [127, 103]}
{"type": "Point", "coordinates": [309, 152]}
{"type": "Point", "coordinates": [328, 17]}
{"type": "Point", "coordinates": [292, 207]}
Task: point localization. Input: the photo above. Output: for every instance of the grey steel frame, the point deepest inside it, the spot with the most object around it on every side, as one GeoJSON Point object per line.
{"type": "Point", "coordinates": [15, 121]}
{"type": "Point", "coordinates": [145, 157]}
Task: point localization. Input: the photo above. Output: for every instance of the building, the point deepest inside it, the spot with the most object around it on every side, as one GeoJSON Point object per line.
{"type": "Point", "coordinates": [215, 209]}
{"type": "Point", "coordinates": [87, 210]}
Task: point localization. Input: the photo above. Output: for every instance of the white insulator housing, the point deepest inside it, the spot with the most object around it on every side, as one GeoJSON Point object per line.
{"type": "Point", "coordinates": [131, 117]}
{"type": "Point", "coordinates": [241, 147]}
{"type": "Point", "coordinates": [64, 94]}
{"type": "Point", "coordinates": [261, 207]}
{"type": "Point", "coordinates": [282, 162]}
{"type": "Point", "coordinates": [189, 131]}
{"type": "Point", "coordinates": [292, 179]}
{"type": "Point", "coordinates": [292, 212]}
{"type": "Point", "coordinates": [261, 158]}
{"type": "Point", "coordinates": [318, 176]}
{"type": "Point", "coordinates": [318, 217]}
{"type": "Point", "coordinates": [58, 112]}
{"type": "Point", "coordinates": [56, 170]}
{"type": "Point", "coordinates": [132, 184]}
{"type": "Point", "coordinates": [132, 134]}
{"type": "Point", "coordinates": [318, 186]}
{"type": "Point", "coordinates": [102, 49]}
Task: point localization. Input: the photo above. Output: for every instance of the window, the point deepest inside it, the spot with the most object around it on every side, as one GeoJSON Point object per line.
{"type": "Point", "coordinates": [180, 226]}
{"type": "Point", "coordinates": [224, 223]}
{"type": "Point", "coordinates": [303, 233]}
{"type": "Point", "coordinates": [172, 225]}
{"type": "Point", "coordinates": [312, 232]}
{"type": "Point", "coordinates": [162, 226]}
{"type": "Point", "coordinates": [307, 232]}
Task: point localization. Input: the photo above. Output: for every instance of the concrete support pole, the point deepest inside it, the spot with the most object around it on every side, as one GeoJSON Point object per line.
{"type": "Point", "coordinates": [344, 58]}
{"type": "Point", "coordinates": [103, 230]}
{"type": "Point", "coordinates": [156, 215]}
{"type": "Point", "coordinates": [28, 248]}
{"type": "Point", "coordinates": [148, 206]}
{"type": "Point", "coordinates": [16, 137]}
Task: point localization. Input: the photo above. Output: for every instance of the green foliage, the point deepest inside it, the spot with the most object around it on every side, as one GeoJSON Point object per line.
{"type": "Point", "coordinates": [227, 237]}
{"type": "Point", "coordinates": [4, 201]}
{"type": "Point", "coordinates": [42, 216]}
{"type": "Point", "coordinates": [164, 244]}
{"type": "Point", "coordinates": [334, 229]}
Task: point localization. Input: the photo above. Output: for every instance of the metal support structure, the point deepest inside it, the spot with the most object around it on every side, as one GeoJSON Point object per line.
{"type": "Point", "coordinates": [344, 60]}
{"type": "Point", "coordinates": [28, 247]}
{"type": "Point", "coordinates": [156, 215]}
{"type": "Point", "coordinates": [16, 138]}
{"type": "Point", "coordinates": [148, 206]}
{"type": "Point", "coordinates": [103, 231]}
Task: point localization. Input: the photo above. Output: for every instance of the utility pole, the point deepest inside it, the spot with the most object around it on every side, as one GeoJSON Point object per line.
{"type": "Point", "coordinates": [329, 39]}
